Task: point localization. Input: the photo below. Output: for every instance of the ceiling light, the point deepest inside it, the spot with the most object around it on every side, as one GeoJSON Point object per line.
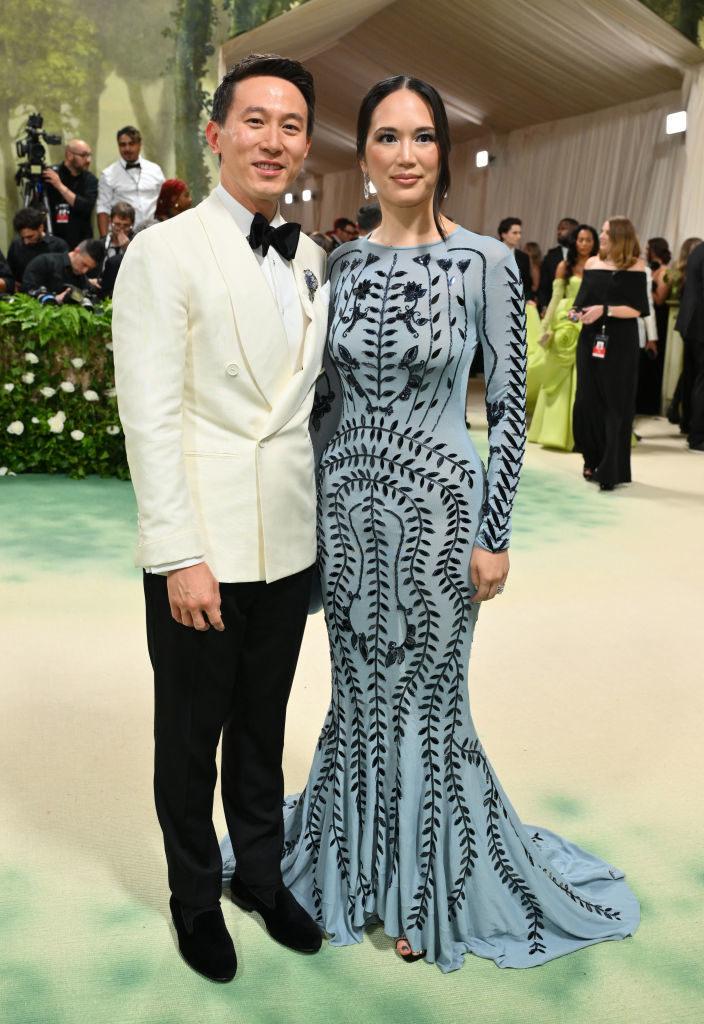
{"type": "Point", "coordinates": [288, 198]}
{"type": "Point", "coordinates": [306, 195]}
{"type": "Point", "coordinates": [676, 123]}
{"type": "Point", "coordinates": [482, 158]}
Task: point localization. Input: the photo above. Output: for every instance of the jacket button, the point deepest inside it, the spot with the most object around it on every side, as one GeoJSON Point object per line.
{"type": "Point", "coordinates": [262, 444]}
{"type": "Point", "coordinates": [232, 369]}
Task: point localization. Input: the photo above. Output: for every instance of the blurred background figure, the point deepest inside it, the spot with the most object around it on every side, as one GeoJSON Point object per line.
{"type": "Point", "coordinates": [652, 357]}
{"type": "Point", "coordinates": [535, 257]}
{"type": "Point", "coordinates": [552, 369]}
{"type": "Point", "coordinates": [613, 295]}
{"type": "Point", "coordinates": [368, 218]}
{"type": "Point", "coordinates": [690, 324]}
{"type": "Point", "coordinates": [31, 242]}
{"type": "Point", "coordinates": [343, 230]}
{"type": "Point", "coordinates": [130, 179]}
{"type": "Point", "coordinates": [323, 240]}
{"type": "Point", "coordinates": [510, 231]}
{"type": "Point", "coordinates": [676, 278]}
{"type": "Point", "coordinates": [554, 256]}
{"type": "Point", "coordinates": [174, 198]}
{"type": "Point", "coordinates": [72, 191]}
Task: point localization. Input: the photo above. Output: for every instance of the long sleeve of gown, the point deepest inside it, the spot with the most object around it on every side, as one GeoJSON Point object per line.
{"type": "Point", "coordinates": [558, 294]}
{"type": "Point", "coordinates": [502, 333]}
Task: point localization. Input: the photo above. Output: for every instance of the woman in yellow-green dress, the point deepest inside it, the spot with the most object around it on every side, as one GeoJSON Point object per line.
{"type": "Point", "coordinates": [552, 348]}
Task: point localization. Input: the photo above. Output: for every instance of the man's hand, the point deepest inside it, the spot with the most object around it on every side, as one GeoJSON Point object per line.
{"type": "Point", "coordinates": [488, 572]}
{"type": "Point", "coordinates": [193, 594]}
{"type": "Point", "coordinates": [60, 296]}
{"type": "Point", "coordinates": [52, 177]}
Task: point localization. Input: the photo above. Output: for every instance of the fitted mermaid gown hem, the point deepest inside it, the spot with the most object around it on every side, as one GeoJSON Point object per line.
{"type": "Point", "coordinates": [402, 819]}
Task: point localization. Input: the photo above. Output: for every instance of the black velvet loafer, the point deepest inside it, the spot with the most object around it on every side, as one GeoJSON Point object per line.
{"type": "Point", "coordinates": [206, 946]}
{"type": "Point", "coordinates": [286, 921]}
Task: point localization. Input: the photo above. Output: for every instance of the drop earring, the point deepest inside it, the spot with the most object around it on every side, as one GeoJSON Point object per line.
{"type": "Point", "coordinates": [365, 177]}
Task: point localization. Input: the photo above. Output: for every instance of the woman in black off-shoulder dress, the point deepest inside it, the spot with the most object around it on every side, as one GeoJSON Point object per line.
{"type": "Point", "coordinates": [612, 297]}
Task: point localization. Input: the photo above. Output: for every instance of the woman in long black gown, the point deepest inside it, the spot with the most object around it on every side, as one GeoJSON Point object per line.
{"type": "Point", "coordinates": [612, 297]}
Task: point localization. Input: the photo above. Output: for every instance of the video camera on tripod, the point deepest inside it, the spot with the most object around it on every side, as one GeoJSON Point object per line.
{"type": "Point", "coordinates": [32, 168]}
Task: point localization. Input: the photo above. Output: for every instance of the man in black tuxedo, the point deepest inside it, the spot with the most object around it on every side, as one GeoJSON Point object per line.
{"type": "Point", "coordinates": [690, 324]}
{"type": "Point", "coordinates": [510, 233]}
{"type": "Point", "coordinates": [552, 257]}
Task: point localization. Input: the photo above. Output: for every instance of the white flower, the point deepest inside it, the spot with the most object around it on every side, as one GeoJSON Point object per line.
{"type": "Point", "coordinates": [28, 378]}
{"type": "Point", "coordinates": [77, 435]}
{"type": "Point", "coordinates": [112, 430]}
{"type": "Point", "coordinates": [9, 387]}
{"type": "Point", "coordinates": [3, 470]}
{"type": "Point", "coordinates": [16, 427]}
{"type": "Point", "coordinates": [34, 419]}
{"type": "Point", "coordinates": [56, 423]}
{"type": "Point", "coordinates": [110, 392]}
{"type": "Point", "coordinates": [30, 357]}
{"type": "Point", "coordinates": [47, 392]}
{"type": "Point", "coordinates": [108, 346]}
{"type": "Point", "coordinates": [91, 396]}
{"type": "Point", "coordinates": [67, 386]}
{"type": "Point", "coordinates": [78, 363]}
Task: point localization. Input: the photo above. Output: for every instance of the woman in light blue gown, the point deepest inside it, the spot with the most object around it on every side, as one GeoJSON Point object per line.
{"type": "Point", "coordinates": [403, 819]}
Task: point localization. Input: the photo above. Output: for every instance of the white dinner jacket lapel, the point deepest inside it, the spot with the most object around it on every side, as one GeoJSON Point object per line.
{"type": "Point", "coordinates": [315, 317]}
{"type": "Point", "coordinates": [260, 329]}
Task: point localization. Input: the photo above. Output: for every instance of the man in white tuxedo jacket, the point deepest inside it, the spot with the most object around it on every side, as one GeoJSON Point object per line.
{"type": "Point", "coordinates": [218, 333]}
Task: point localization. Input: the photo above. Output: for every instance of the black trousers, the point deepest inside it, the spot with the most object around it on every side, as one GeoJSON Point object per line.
{"type": "Point", "coordinates": [234, 683]}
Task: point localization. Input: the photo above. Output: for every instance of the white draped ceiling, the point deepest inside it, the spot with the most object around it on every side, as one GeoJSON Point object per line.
{"type": "Point", "coordinates": [568, 96]}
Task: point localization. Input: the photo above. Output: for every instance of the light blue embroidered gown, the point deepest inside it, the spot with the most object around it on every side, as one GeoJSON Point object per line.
{"type": "Point", "coordinates": [403, 819]}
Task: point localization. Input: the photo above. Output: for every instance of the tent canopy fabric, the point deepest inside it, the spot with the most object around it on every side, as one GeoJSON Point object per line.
{"type": "Point", "coordinates": [499, 65]}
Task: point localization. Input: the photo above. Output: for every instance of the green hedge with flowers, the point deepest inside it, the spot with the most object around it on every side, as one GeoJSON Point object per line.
{"type": "Point", "coordinates": [58, 412]}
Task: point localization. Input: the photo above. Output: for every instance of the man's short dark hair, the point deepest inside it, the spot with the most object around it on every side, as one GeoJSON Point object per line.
{"type": "Point", "coordinates": [123, 209]}
{"type": "Point", "coordinates": [264, 64]}
{"type": "Point", "coordinates": [343, 222]}
{"type": "Point", "coordinates": [507, 223]}
{"type": "Point", "coordinates": [30, 217]}
{"type": "Point", "coordinates": [569, 220]}
{"type": "Point", "coordinates": [93, 249]}
{"type": "Point", "coordinates": [368, 218]}
{"type": "Point", "coordinates": [129, 129]}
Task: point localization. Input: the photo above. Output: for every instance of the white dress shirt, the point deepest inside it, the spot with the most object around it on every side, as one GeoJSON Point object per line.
{"type": "Point", "coordinates": [138, 186]}
{"type": "Point", "coordinates": [278, 273]}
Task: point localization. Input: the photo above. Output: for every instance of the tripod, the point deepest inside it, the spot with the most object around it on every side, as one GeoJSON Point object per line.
{"type": "Point", "coordinates": [34, 194]}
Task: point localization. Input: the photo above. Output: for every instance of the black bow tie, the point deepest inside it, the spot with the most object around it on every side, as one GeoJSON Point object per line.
{"type": "Point", "coordinates": [132, 163]}
{"type": "Point", "coordinates": [284, 238]}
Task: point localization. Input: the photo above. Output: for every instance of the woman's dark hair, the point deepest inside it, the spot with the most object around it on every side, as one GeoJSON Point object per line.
{"type": "Point", "coordinates": [379, 92]}
{"type": "Point", "coordinates": [659, 250]}
{"type": "Point", "coordinates": [264, 64]}
{"type": "Point", "coordinates": [572, 254]}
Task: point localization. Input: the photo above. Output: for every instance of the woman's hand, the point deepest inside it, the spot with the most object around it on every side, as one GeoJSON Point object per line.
{"type": "Point", "coordinates": [591, 313]}
{"type": "Point", "coordinates": [488, 571]}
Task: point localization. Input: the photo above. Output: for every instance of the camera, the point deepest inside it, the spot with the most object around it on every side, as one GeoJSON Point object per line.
{"type": "Point", "coordinates": [32, 155]}
{"type": "Point", "coordinates": [42, 295]}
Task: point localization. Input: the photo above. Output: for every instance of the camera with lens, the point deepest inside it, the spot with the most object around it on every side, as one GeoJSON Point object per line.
{"type": "Point", "coordinates": [43, 295]}
{"type": "Point", "coordinates": [31, 148]}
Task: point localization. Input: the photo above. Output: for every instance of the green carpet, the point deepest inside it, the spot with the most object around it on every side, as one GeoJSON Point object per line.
{"type": "Point", "coordinates": [586, 689]}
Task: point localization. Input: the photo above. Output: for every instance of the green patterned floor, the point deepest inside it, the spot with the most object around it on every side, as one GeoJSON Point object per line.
{"type": "Point", "coordinates": [585, 689]}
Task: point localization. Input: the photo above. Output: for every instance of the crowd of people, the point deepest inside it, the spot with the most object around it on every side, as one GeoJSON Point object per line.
{"type": "Point", "coordinates": [54, 258]}
{"type": "Point", "coordinates": [561, 375]}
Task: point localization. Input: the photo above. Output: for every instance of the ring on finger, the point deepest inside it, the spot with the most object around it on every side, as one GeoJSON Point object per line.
{"type": "Point", "coordinates": [500, 588]}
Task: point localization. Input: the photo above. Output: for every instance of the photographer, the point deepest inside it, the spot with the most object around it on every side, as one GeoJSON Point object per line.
{"type": "Point", "coordinates": [72, 191]}
{"type": "Point", "coordinates": [59, 272]}
{"type": "Point", "coordinates": [32, 241]}
{"type": "Point", "coordinates": [120, 230]}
